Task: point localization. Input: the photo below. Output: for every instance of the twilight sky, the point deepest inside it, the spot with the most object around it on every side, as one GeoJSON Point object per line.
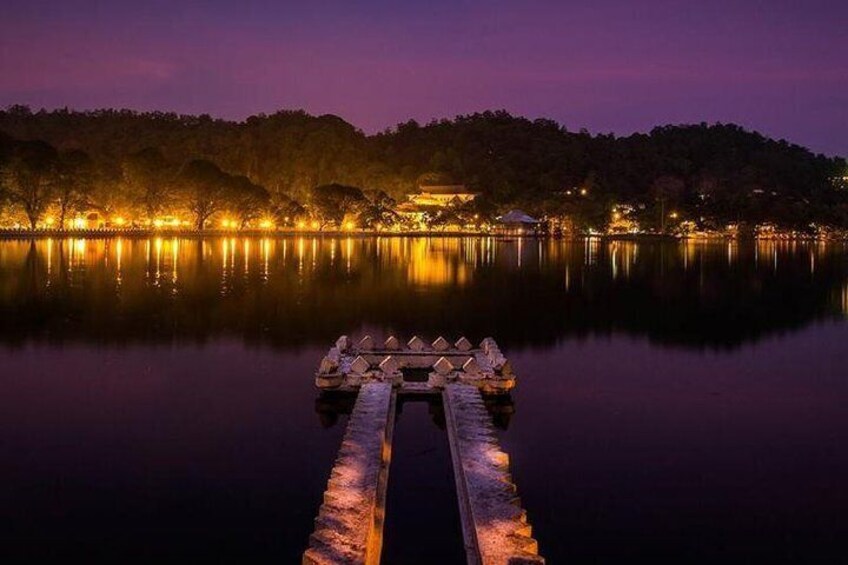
{"type": "Point", "coordinates": [778, 66]}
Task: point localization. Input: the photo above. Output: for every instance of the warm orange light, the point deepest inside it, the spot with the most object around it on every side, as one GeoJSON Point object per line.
{"type": "Point", "coordinates": [119, 221]}
{"type": "Point", "coordinates": [315, 225]}
{"type": "Point", "coordinates": [349, 225]}
{"type": "Point", "coordinates": [266, 224]}
{"type": "Point", "coordinates": [49, 220]}
{"type": "Point", "coordinates": [79, 223]}
{"type": "Point", "coordinates": [301, 225]}
{"type": "Point", "coordinates": [157, 223]}
{"type": "Point", "coordinates": [583, 192]}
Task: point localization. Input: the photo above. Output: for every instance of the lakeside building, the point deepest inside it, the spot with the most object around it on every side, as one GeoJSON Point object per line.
{"type": "Point", "coordinates": [517, 222]}
{"type": "Point", "coordinates": [441, 195]}
{"type": "Point", "coordinates": [433, 197]}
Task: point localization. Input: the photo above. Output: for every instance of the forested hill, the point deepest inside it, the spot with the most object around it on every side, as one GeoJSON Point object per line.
{"type": "Point", "coordinates": [716, 172]}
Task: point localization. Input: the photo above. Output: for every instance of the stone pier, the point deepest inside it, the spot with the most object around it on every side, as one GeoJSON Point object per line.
{"type": "Point", "coordinates": [349, 526]}
{"type": "Point", "coordinates": [494, 525]}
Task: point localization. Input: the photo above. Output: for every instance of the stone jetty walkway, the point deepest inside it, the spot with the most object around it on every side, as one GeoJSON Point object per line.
{"type": "Point", "coordinates": [494, 526]}
{"type": "Point", "coordinates": [349, 526]}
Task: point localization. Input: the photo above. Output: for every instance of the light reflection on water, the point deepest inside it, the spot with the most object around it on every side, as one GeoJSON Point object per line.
{"type": "Point", "coordinates": [689, 293]}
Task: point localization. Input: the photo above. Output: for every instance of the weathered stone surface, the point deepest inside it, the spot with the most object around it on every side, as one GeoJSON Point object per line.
{"type": "Point", "coordinates": [335, 355]}
{"type": "Point", "coordinates": [416, 344]}
{"type": "Point", "coordinates": [443, 366]}
{"type": "Point", "coordinates": [441, 344]}
{"type": "Point", "coordinates": [389, 365]}
{"type": "Point", "coordinates": [327, 366]}
{"type": "Point", "coordinates": [462, 344]}
{"type": "Point", "coordinates": [497, 359]}
{"type": "Point", "coordinates": [494, 525]}
{"type": "Point", "coordinates": [392, 343]}
{"type": "Point", "coordinates": [366, 343]}
{"type": "Point", "coordinates": [329, 381]}
{"type": "Point", "coordinates": [349, 525]}
{"type": "Point", "coordinates": [359, 365]}
{"type": "Point", "coordinates": [471, 367]}
{"type": "Point", "coordinates": [436, 380]}
{"type": "Point", "coordinates": [487, 343]}
{"type": "Point", "coordinates": [343, 343]}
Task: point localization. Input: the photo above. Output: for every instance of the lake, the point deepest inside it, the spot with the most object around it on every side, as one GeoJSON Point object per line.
{"type": "Point", "coordinates": [679, 401]}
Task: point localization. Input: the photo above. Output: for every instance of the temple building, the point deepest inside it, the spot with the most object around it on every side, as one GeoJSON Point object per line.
{"type": "Point", "coordinates": [429, 197]}
{"type": "Point", "coordinates": [441, 195]}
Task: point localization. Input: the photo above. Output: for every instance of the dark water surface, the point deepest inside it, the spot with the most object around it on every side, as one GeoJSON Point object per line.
{"type": "Point", "coordinates": [681, 402]}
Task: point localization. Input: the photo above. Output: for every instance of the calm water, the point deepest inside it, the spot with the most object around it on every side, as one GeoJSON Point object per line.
{"type": "Point", "coordinates": [680, 402]}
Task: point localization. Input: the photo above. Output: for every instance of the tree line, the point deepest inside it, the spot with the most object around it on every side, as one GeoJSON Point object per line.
{"type": "Point", "coordinates": [290, 165]}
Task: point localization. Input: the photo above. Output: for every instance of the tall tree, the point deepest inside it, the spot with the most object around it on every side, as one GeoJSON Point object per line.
{"type": "Point", "coordinates": [74, 179]}
{"type": "Point", "coordinates": [248, 201]}
{"type": "Point", "coordinates": [205, 190]}
{"type": "Point", "coordinates": [29, 178]}
{"type": "Point", "coordinates": [330, 203]}
{"type": "Point", "coordinates": [146, 175]}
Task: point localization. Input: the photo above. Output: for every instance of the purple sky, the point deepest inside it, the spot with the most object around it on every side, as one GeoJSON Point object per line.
{"type": "Point", "coordinates": [777, 66]}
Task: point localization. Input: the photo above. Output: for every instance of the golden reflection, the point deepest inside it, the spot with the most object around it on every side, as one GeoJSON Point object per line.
{"type": "Point", "coordinates": [157, 244]}
{"type": "Point", "coordinates": [434, 262]}
{"type": "Point", "coordinates": [266, 254]}
{"type": "Point", "coordinates": [76, 257]}
{"type": "Point", "coordinates": [246, 244]}
{"type": "Point", "coordinates": [119, 260]}
{"type": "Point", "coordinates": [591, 250]}
{"type": "Point", "coordinates": [301, 250]}
{"type": "Point", "coordinates": [348, 253]}
{"type": "Point", "coordinates": [49, 258]}
{"type": "Point", "coordinates": [175, 251]}
{"type": "Point", "coordinates": [845, 299]}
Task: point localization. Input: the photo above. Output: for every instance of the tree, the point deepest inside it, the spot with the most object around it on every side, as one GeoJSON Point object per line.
{"type": "Point", "coordinates": [332, 202]}
{"type": "Point", "coordinates": [74, 178]}
{"type": "Point", "coordinates": [667, 190]}
{"type": "Point", "coordinates": [146, 174]}
{"type": "Point", "coordinates": [105, 194]}
{"type": "Point", "coordinates": [285, 210]}
{"type": "Point", "coordinates": [204, 190]}
{"type": "Point", "coordinates": [378, 209]}
{"type": "Point", "coordinates": [247, 200]}
{"type": "Point", "coordinates": [29, 178]}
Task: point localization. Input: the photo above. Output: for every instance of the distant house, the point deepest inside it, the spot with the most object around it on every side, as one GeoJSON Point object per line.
{"type": "Point", "coordinates": [517, 221]}
{"type": "Point", "coordinates": [441, 195]}
{"type": "Point", "coordinates": [518, 218]}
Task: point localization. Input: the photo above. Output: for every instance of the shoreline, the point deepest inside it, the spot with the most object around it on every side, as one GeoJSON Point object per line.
{"type": "Point", "coordinates": [18, 234]}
